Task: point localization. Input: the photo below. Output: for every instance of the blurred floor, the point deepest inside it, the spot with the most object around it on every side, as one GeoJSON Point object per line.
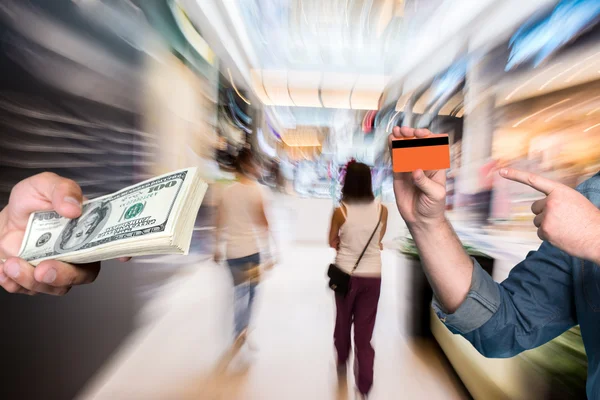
{"type": "Point", "coordinates": [179, 351]}
{"type": "Point", "coordinates": [151, 273]}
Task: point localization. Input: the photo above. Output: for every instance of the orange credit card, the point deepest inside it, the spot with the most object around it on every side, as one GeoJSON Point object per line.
{"type": "Point", "coordinates": [430, 153]}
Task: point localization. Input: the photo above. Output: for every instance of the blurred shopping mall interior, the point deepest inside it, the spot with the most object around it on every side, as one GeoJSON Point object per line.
{"type": "Point", "coordinates": [113, 92]}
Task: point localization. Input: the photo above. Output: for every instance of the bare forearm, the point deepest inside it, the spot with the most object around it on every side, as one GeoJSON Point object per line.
{"type": "Point", "coordinates": [594, 245]}
{"type": "Point", "coordinates": [448, 267]}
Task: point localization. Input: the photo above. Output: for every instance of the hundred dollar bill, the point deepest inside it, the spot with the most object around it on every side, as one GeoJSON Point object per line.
{"type": "Point", "coordinates": [140, 219]}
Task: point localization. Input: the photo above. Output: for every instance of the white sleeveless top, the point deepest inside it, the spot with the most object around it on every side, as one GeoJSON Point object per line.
{"type": "Point", "coordinates": [240, 205]}
{"type": "Point", "coordinates": [361, 220]}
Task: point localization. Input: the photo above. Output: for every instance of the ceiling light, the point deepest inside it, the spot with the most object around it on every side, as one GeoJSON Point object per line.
{"type": "Point", "coordinates": [301, 137]}
{"type": "Point", "coordinates": [336, 89]}
{"type": "Point", "coordinates": [258, 87]}
{"type": "Point", "coordinates": [295, 88]}
{"type": "Point", "coordinates": [235, 88]}
{"type": "Point", "coordinates": [275, 84]}
{"type": "Point", "coordinates": [303, 88]}
{"type": "Point", "coordinates": [367, 91]}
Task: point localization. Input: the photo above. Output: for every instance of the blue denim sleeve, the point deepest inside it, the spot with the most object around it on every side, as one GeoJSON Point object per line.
{"type": "Point", "coordinates": [532, 306]}
{"type": "Point", "coordinates": [481, 304]}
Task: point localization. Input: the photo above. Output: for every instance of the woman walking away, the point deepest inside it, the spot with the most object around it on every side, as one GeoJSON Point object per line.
{"type": "Point", "coordinates": [358, 219]}
{"type": "Point", "coordinates": [241, 216]}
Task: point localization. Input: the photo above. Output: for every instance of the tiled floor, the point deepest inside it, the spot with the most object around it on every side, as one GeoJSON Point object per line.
{"type": "Point", "coordinates": [180, 351]}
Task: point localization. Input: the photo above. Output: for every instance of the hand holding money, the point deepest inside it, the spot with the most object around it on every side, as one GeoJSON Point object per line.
{"type": "Point", "coordinates": [45, 191]}
{"type": "Point", "coordinates": [47, 218]}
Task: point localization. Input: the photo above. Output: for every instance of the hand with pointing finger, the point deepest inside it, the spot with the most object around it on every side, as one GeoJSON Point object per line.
{"type": "Point", "coordinates": [45, 191]}
{"type": "Point", "coordinates": [565, 218]}
{"type": "Point", "coordinates": [420, 195]}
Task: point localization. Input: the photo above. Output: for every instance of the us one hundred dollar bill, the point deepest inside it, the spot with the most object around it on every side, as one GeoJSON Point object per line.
{"type": "Point", "coordinates": [153, 217]}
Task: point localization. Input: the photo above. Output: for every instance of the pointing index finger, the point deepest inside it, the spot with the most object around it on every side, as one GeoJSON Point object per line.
{"type": "Point", "coordinates": [537, 182]}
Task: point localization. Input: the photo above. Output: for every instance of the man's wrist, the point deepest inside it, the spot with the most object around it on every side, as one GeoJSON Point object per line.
{"type": "Point", "coordinates": [594, 246]}
{"type": "Point", "coordinates": [425, 226]}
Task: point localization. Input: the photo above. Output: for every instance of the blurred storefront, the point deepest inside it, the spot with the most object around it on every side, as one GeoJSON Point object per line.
{"type": "Point", "coordinates": [536, 110]}
{"type": "Point", "coordinates": [546, 122]}
{"type": "Point", "coordinates": [180, 91]}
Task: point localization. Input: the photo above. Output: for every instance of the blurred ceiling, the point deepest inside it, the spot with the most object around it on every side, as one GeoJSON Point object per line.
{"type": "Point", "coordinates": [335, 35]}
{"type": "Point", "coordinates": [307, 61]}
{"type": "Point", "coordinates": [309, 53]}
{"type": "Point", "coordinates": [312, 53]}
{"type": "Point", "coordinates": [345, 53]}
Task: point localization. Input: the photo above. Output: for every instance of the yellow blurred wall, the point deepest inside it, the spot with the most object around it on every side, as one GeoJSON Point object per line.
{"type": "Point", "coordinates": [180, 109]}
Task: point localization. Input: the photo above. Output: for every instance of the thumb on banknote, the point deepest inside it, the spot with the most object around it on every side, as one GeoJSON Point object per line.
{"type": "Point", "coordinates": [43, 192]}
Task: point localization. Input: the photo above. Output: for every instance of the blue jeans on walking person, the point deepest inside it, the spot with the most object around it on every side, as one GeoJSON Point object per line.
{"type": "Point", "coordinates": [243, 271]}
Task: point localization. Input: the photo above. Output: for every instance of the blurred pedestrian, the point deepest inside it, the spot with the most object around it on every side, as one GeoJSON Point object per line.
{"type": "Point", "coordinates": [278, 175]}
{"type": "Point", "coordinates": [359, 255]}
{"type": "Point", "coordinates": [242, 218]}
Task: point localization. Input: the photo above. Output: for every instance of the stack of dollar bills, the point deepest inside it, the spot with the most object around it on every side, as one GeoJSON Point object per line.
{"type": "Point", "coordinates": [156, 216]}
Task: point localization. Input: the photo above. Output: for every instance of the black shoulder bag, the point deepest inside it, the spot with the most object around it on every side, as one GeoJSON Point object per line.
{"type": "Point", "coordinates": [339, 281]}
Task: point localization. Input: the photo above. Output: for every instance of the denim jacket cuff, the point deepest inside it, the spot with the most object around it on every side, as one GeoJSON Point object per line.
{"type": "Point", "coordinates": [481, 303]}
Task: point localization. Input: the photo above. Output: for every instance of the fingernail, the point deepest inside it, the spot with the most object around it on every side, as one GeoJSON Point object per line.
{"type": "Point", "coordinates": [73, 200]}
{"type": "Point", "coordinates": [503, 171]}
{"type": "Point", "coordinates": [12, 269]}
{"type": "Point", "coordinates": [50, 276]}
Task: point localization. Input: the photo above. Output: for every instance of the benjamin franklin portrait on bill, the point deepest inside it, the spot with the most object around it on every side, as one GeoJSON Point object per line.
{"type": "Point", "coordinates": [83, 229]}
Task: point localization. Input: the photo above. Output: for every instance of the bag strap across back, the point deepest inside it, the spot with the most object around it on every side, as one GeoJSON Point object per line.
{"type": "Point", "coordinates": [368, 243]}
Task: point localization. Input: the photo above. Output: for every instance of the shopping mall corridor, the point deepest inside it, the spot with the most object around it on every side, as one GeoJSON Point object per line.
{"type": "Point", "coordinates": [180, 348]}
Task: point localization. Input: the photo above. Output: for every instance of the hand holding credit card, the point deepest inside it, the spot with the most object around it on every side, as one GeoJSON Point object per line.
{"type": "Point", "coordinates": [420, 159]}
{"type": "Point", "coordinates": [427, 153]}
